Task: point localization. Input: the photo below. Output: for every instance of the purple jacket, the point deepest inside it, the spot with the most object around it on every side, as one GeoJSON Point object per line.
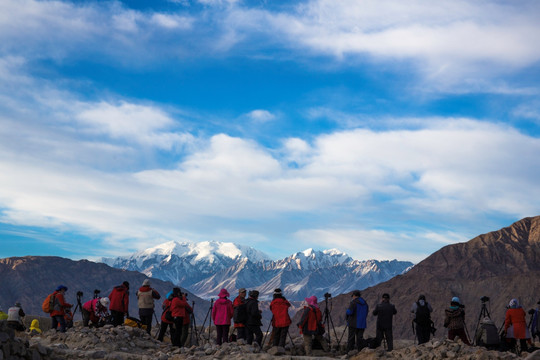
{"type": "Point", "coordinates": [222, 311]}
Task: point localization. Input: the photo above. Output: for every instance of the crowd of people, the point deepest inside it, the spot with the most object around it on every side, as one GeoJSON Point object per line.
{"type": "Point", "coordinates": [244, 314]}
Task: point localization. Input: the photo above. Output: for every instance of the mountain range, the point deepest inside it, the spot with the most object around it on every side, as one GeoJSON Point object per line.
{"type": "Point", "coordinates": [30, 279]}
{"type": "Point", "coordinates": [205, 268]}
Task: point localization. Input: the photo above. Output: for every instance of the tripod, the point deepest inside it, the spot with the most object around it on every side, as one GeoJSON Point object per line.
{"type": "Point", "coordinates": [484, 312]}
{"type": "Point", "coordinates": [193, 324]}
{"type": "Point", "coordinates": [79, 303]}
{"type": "Point", "coordinates": [327, 318]}
{"type": "Point", "coordinates": [209, 312]}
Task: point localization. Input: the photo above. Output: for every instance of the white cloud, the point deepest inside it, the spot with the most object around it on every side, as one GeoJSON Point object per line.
{"type": "Point", "coordinates": [363, 244]}
{"type": "Point", "coordinates": [260, 116]}
{"type": "Point", "coordinates": [140, 123]}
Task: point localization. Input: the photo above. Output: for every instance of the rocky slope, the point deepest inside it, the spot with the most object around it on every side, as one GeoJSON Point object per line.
{"type": "Point", "coordinates": [30, 279]}
{"type": "Point", "coordinates": [502, 265]}
{"type": "Point", "coordinates": [125, 343]}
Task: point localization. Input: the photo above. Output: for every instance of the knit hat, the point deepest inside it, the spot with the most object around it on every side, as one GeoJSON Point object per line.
{"type": "Point", "coordinates": [126, 284]}
{"type": "Point", "coordinates": [277, 291]}
{"type": "Point", "coordinates": [385, 296]}
{"type": "Point", "coordinates": [254, 294]}
{"type": "Point", "coordinates": [61, 287]}
{"type": "Point", "coordinates": [146, 282]}
{"type": "Point", "coordinates": [223, 293]}
{"type": "Point", "coordinates": [422, 297]}
{"type": "Point", "coordinates": [312, 300]}
{"type": "Point", "coordinates": [241, 290]}
{"type": "Point", "coordinates": [356, 293]}
{"type": "Point", "coordinates": [455, 299]}
{"type": "Point", "coordinates": [17, 304]}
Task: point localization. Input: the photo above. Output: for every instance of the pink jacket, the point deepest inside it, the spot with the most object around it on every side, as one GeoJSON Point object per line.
{"type": "Point", "coordinates": [222, 311]}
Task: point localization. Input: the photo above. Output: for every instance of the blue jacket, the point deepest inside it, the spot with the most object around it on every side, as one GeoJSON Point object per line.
{"type": "Point", "coordinates": [357, 313]}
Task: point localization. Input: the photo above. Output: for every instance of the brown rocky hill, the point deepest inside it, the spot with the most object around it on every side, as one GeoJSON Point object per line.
{"type": "Point", "coordinates": [502, 265]}
{"type": "Point", "coordinates": [30, 279]}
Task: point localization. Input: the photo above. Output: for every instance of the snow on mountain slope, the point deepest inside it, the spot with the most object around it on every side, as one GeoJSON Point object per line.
{"type": "Point", "coordinates": [205, 268]}
{"type": "Point", "coordinates": [186, 263]}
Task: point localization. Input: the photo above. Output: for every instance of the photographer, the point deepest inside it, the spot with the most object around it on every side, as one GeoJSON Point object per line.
{"type": "Point", "coordinates": [454, 320]}
{"type": "Point", "coordinates": [356, 320]}
{"type": "Point", "coordinates": [95, 311]}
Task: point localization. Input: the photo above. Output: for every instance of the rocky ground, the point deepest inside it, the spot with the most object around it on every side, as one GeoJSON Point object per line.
{"type": "Point", "coordinates": [127, 343]}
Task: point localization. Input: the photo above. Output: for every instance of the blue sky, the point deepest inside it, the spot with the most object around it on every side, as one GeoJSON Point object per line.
{"type": "Point", "coordinates": [386, 129]}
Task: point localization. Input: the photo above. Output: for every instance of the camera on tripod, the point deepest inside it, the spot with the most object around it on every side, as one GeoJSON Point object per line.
{"type": "Point", "coordinates": [96, 293]}
{"type": "Point", "coordinates": [484, 299]}
{"type": "Point", "coordinates": [79, 295]}
{"type": "Point", "coordinates": [327, 295]}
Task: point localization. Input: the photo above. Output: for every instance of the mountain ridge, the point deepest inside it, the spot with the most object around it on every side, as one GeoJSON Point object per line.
{"type": "Point", "coordinates": [299, 275]}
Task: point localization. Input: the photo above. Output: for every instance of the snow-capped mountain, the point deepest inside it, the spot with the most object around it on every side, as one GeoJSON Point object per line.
{"type": "Point", "coordinates": [186, 263]}
{"type": "Point", "coordinates": [205, 268]}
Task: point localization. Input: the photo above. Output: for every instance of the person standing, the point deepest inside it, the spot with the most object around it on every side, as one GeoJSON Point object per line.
{"type": "Point", "coordinates": [15, 317]}
{"type": "Point", "coordinates": [454, 320]}
{"type": "Point", "coordinates": [119, 305]}
{"type": "Point", "coordinates": [515, 321]}
{"type": "Point", "coordinates": [385, 311]}
{"type": "Point", "coordinates": [422, 318]}
{"type": "Point", "coordinates": [240, 314]}
{"type": "Point", "coordinates": [253, 321]}
{"type": "Point", "coordinates": [222, 313]}
{"type": "Point", "coordinates": [178, 312]}
{"type": "Point", "coordinates": [280, 318]}
{"type": "Point", "coordinates": [145, 300]}
{"type": "Point", "coordinates": [58, 310]}
{"type": "Point", "coordinates": [311, 325]}
{"type": "Point", "coordinates": [356, 320]}
{"type": "Point", "coordinates": [166, 317]}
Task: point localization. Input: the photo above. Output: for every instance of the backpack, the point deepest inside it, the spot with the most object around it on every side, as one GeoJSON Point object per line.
{"type": "Point", "coordinates": [48, 303]}
{"type": "Point", "coordinates": [489, 335]}
{"type": "Point", "coordinates": [240, 314]}
{"type": "Point", "coordinates": [423, 317]}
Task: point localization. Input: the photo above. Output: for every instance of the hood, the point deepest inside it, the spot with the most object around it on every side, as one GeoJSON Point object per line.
{"type": "Point", "coordinates": [145, 288]}
{"type": "Point", "coordinates": [312, 300]}
{"type": "Point", "coordinates": [223, 293]}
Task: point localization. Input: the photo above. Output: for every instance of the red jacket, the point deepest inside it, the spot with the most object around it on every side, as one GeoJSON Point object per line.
{"type": "Point", "coordinates": [311, 318]}
{"type": "Point", "coordinates": [166, 307]}
{"type": "Point", "coordinates": [222, 311]}
{"type": "Point", "coordinates": [178, 306]}
{"type": "Point", "coordinates": [516, 317]}
{"type": "Point", "coordinates": [59, 304]}
{"type": "Point", "coordinates": [237, 301]}
{"type": "Point", "coordinates": [280, 310]}
{"type": "Point", "coordinates": [119, 298]}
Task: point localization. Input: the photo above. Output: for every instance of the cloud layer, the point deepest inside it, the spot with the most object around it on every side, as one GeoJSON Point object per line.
{"type": "Point", "coordinates": [399, 123]}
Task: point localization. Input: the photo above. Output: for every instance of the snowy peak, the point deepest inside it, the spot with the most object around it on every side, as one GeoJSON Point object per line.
{"type": "Point", "coordinates": [310, 259]}
{"type": "Point", "coordinates": [208, 266]}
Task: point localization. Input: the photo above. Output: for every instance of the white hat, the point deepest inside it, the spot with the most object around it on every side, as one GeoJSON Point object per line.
{"type": "Point", "coordinates": [105, 301]}
{"type": "Point", "coordinates": [146, 282]}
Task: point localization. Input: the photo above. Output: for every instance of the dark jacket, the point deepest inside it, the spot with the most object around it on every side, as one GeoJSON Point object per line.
{"type": "Point", "coordinates": [454, 318]}
{"type": "Point", "coordinates": [253, 314]}
{"type": "Point", "coordinates": [384, 312]}
{"type": "Point", "coordinates": [357, 313]}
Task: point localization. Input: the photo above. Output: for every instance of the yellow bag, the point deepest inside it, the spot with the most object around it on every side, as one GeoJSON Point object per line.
{"type": "Point", "coordinates": [133, 322]}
